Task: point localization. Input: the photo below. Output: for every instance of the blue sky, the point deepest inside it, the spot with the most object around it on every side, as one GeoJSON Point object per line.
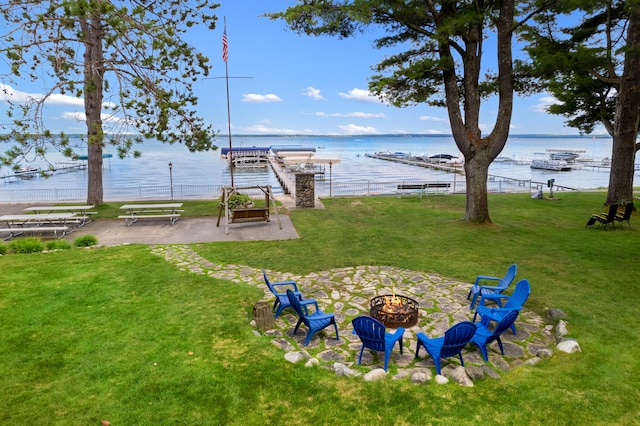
{"type": "Point", "coordinates": [301, 85]}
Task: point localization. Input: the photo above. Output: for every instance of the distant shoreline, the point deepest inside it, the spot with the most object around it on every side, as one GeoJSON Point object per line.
{"type": "Point", "coordinates": [380, 135]}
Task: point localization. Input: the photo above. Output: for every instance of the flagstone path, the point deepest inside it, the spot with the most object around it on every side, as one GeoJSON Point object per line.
{"type": "Point", "coordinates": [346, 293]}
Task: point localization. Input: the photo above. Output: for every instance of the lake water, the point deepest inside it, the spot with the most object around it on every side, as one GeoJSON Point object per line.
{"type": "Point", "coordinates": [209, 168]}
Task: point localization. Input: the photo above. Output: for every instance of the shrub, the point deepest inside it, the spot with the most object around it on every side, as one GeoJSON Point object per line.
{"type": "Point", "coordinates": [27, 245]}
{"type": "Point", "coordinates": [3, 248]}
{"type": "Point", "coordinates": [58, 245]}
{"type": "Point", "coordinates": [238, 199]}
{"type": "Point", "coordinates": [85, 241]}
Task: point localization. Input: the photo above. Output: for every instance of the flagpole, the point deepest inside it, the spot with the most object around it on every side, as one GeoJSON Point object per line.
{"type": "Point", "coordinates": [226, 67]}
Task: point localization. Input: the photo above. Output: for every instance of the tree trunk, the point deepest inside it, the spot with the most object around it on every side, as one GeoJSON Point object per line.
{"type": "Point", "coordinates": [479, 152]}
{"type": "Point", "coordinates": [476, 175]}
{"type": "Point", "coordinates": [93, 85]}
{"type": "Point", "coordinates": [627, 119]}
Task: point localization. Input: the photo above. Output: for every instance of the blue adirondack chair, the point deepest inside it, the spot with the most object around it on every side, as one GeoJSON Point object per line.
{"type": "Point", "coordinates": [314, 319]}
{"type": "Point", "coordinates": [279, 290]}
{"type": "Point", "coordinates": [514, 301]}
{"type": "Point", "coordinates": [504, 282]}
{"type": "Point", "coordinates": [484, 335]}
{"type": "Point", "coordinates": [373, 335]}
{"type": "Point", "coordinates": [454, 340]}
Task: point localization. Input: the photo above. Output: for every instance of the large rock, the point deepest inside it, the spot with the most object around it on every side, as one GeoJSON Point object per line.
{"type": "Point", "coordinates": [554, 315]}
{"type": "Point", "coordinates": [569, 346]}
{"type": "Point", "coordinates": [375, 375]}
{"type": "Point", "coordinates": [441, 380]}
{"type": "Point", "coordinates": [420, 378]}
{"type": "Point", "coordinates": [475, 372]}
{"type": "Point", "coordinates": [343, 370]}
{"type": "Point", "coordinates": [561, 329]}
{"type": "Point", "coordinates": [294, 357]}
{"type": "Point", "coordinates": [460, 376]}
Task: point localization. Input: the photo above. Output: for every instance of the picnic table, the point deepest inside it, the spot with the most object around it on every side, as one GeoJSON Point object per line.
{"type": "Point", "coordinates": [83, 215]}
{"type": "Point", "coordinates": [18, 224]}
{"type": "Point", "coordinates": [150, 211]}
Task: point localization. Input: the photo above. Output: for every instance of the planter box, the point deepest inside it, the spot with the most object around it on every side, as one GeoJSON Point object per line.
{"type": "Point", "coordinates": [254, 214]}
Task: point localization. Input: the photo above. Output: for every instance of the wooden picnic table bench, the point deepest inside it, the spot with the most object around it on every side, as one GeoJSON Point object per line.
{"type": "Point", "coordinates": [150, 211]}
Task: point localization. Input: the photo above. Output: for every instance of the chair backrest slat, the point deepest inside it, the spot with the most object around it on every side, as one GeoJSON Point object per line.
{"type": "Point", "coordinates": [370, 331]}
{"type": "Point", "coordinates": [506, 322]}
{"type": "Point", "coordinates": [456, 337]}
{"type": "Point", "coordinates": [519, 296]}
{"type": "Point", "coordinates": [295, 303]}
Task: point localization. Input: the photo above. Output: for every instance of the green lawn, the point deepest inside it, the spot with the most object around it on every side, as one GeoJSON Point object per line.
{"type": "Point", "coordinates": [107, 334]}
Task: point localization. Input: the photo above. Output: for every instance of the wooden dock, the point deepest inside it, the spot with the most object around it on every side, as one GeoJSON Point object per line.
{"type": "Point", "coordinates": [451, 168]}
{"type": "Point", "coordinates": [288, 184]}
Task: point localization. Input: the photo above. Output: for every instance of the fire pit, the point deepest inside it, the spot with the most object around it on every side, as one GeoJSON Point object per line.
{"type": "Point", "coordinates": [394, 311]}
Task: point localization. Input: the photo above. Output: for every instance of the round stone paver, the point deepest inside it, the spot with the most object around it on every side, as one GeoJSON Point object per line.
{"type": "Point", "coordinates": [346, 292]}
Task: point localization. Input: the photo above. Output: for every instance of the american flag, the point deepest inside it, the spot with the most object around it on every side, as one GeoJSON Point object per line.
{"type": "Point", "coordinates": [225, 44]}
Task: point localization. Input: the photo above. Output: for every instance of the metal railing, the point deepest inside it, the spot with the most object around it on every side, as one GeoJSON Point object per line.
{"type": "Point", "coordinates": [203, 192]}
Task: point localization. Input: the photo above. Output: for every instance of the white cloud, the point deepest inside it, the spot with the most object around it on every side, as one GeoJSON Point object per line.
{"type": "Point", "coordinates": [351, 115]}
{"type": "Point", "coordinates": [360, 95]}
{"type": "Point", "coordinates": [313, 93]}
{"type": "Point", "coordinates": [260, 128]}
{"type": "Point", "coordinates": [354, 129]}
{"type": "Point", "coordinates": [429, 118]}
{"type": "Point", "coordinates": [7, 93]}
{"type": "Point", "coordinates": [81, 116]}
{"type": "Point", "coordinates": [255, 98]}
{"type": "Point", "coordinates": [544, 103]}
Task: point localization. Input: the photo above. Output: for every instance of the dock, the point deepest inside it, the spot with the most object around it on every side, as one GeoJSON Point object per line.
{"type": "Point", "coordinates": [451, 168]}
{"type": "Point", "coordinates": [59, 167]}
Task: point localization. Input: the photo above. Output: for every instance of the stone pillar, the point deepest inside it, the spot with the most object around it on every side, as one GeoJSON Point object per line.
{"type": "Point", "coordinates": [305, 190]}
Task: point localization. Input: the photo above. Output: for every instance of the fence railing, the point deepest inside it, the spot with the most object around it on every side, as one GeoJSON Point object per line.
{"type": "Point", "coordinates": [203, 192]}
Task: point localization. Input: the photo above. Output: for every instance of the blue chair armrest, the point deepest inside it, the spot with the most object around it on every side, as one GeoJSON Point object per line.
{"type": "Point", "coordinates": [397, 334]}
{"type": "Point", "coordinates": [286, 284]}
{"type": "Point", "coordinates": [497, 298]}
{"type": "Point", "coordinates": [305, 305]}
{"type": "Point", "coordinates": [485, 277]}
{"type": "Point", "coordinates": [493, 296]}
{"type": "Point", "coordinates": [321, 315]}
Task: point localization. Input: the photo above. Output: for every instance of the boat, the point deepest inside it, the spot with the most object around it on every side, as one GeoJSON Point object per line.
{"type": "Point", "coordinates": [28, 171]}
{"type": "Point", "coordinates": [549, 164]}
{"type": "Point", "coordinates": [442, 158]}
{"type": "Point", "coordinates": [246, 161]}
{"type": "Point", "coordinates": [564, 154]}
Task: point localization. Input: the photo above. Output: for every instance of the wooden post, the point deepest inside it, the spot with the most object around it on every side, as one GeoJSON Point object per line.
{"type": "Point", "coordinates": [263, 315]}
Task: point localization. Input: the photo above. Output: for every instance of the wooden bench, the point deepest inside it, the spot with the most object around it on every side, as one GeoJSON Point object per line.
{"type": "Point", "coordinates": [14, 232]}
{"type": "Point", "coordinates": [131, 219]}
{"type": "Point", "coordinates": [423, 188]}
{"type": "Point", "coordinates": [253, 214]}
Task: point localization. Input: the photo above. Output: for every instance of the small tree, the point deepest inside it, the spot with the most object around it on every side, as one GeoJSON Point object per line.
{"type": "Point", "coordinates": [592, 68]}
{"type": "Point", "coordinates": [440, 63]}
{"type": "Point", "coordinates": [125, 58]}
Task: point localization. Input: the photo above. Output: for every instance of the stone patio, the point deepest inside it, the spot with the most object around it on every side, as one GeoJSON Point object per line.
{"type": "Point", "coordinates": [346, 293]}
